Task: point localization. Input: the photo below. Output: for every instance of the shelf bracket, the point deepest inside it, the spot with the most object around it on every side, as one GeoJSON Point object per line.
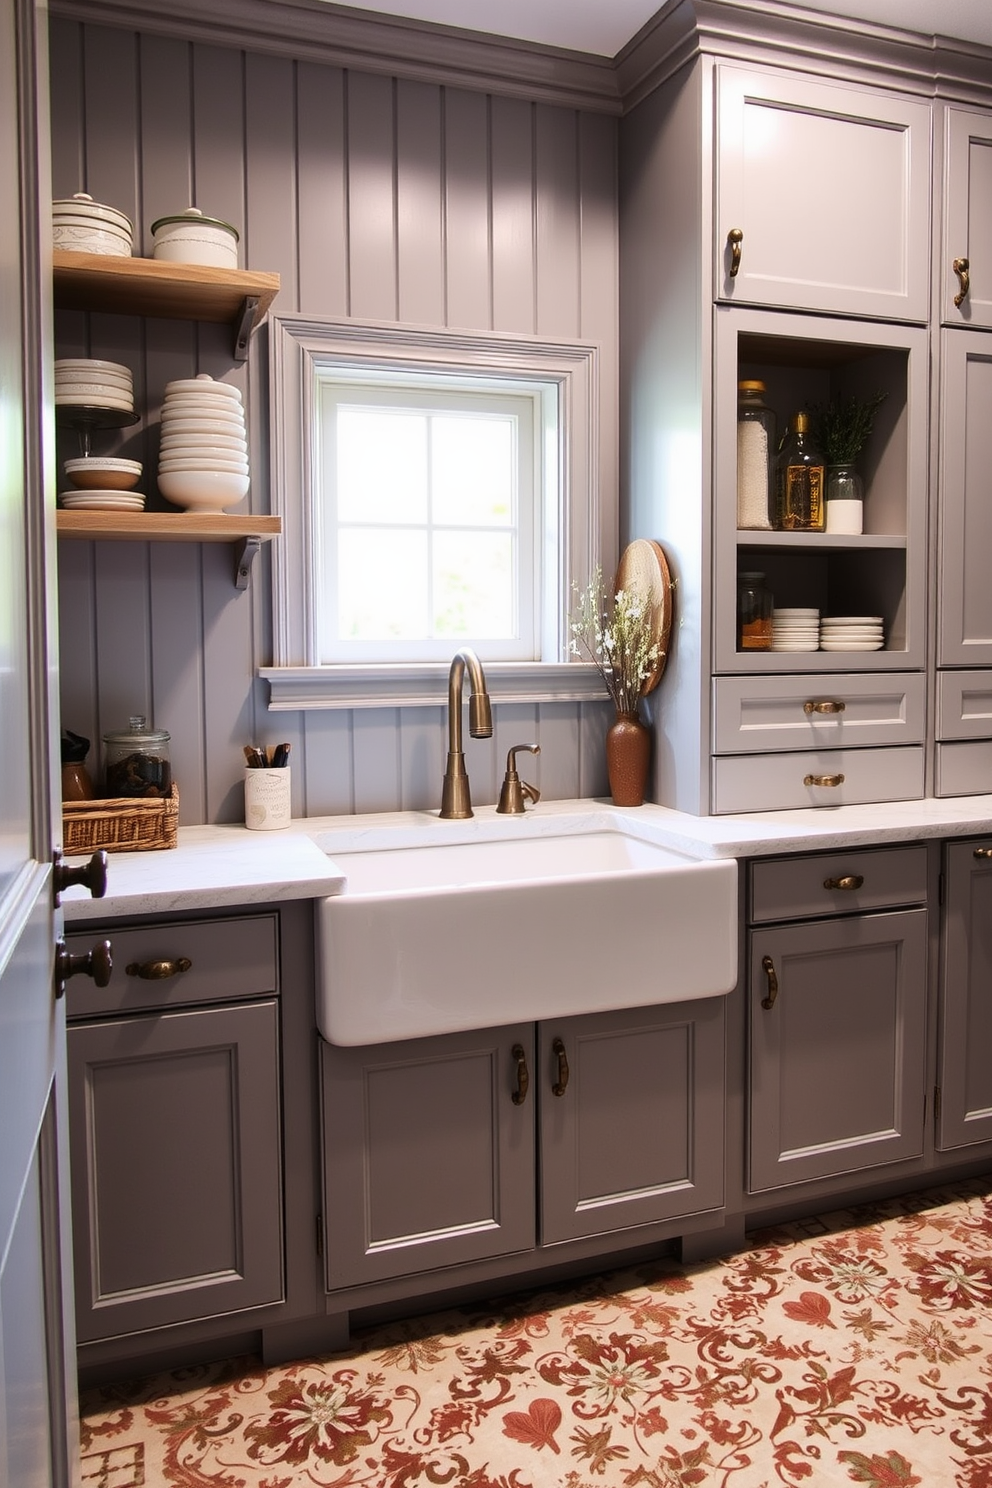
{"type": "Point", "coordinates": [247, 551]}
{"type": "Point", "coordinates": [243, 325]}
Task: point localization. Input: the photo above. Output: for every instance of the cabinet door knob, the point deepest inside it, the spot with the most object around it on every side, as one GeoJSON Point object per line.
{"type": "Point", "coordinates": [962, 267]}
{"type": "Point", "coordinates": [158, 971]}
{"type": "Point", "coordinates": [768, 967]}
{"type": "Point", "coordinates": [849, 881]}
{"type": "Point", "coordinates": [93, 875]}
{"type": "Point", "coordinates": [823, 705]}
{"type": "Point", "coordinates": [823, 780]}
{"type": "Point", "coordinates": [97, 963]}
{"type": "Point", "coordinates": [735, 238]}
{"type": "Point", "coordinates": [523, 1078]}
{"type": "Point", "coordinates": [561, 1085]}
{"type": "Point", "coordinates": [983, 852]}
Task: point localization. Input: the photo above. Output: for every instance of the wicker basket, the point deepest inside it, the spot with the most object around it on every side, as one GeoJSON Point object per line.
{"type": "Point", "coordinates": [121, 824]}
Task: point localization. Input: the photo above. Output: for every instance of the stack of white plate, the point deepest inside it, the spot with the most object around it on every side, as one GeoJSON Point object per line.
{"type": "Point", "coordinates": [795, 630]}
{"type": "Point", "coordinates": [103, 483]}
{"type": "Point", "coordinates": [95, 500]}
{"type": "Point", "coordinates": [851, 633]}
{"type": "Point", "coordinates": [203, 464]}
{"type": "Point", "coordinates": [88, 383]}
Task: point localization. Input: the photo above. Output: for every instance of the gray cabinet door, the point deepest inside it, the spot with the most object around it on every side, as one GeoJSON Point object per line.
{"type": "Point", "coordinates": [966, 997]}
{"type": "Point", "coordinates": [176, 1173]}
{"type": "Point", "coordinates": [967, 231]}
{"type": "Point", "coordinates": [965, 612]}
{"type": "Point", "coordinates": [428, 1159]}
{"type": "Point", "coordinates": [632, 1118]}
{"type": "Point", "coordinates": [837, 1072]}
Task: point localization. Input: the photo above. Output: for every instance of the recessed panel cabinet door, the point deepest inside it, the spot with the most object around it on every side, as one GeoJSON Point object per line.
{"type": "Point", "coordinates": [966, 264]}
{"type": "Point", "coordinates": [838, 1025]}
{"type": "Point", "coordinates": [632, 1118]}
{"type": "Point", "coordinates": [966, 997]}
{"type": "Point", "coordinates": [965, 614]}
{"type": "Point", "coordinates": [828, 188]}
{"type": "Point", "coordinates": [177, 1194]}
{"type": "Point", "coordinates": [428, 1153]}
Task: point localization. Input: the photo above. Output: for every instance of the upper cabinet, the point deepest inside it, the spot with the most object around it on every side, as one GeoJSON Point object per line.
{"type": "Point", "coordinates": [966, 256]}
{"type": "Point", "coordinates": [822, 196]}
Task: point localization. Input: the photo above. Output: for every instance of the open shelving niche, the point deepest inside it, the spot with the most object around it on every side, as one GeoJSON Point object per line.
{"type": "Point", "coordinates": [162, 290]}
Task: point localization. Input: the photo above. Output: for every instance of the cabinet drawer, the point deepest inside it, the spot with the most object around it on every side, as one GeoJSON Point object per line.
{"type": "Point", "coordinates": [753, 714]}
{"type": "Point", "coordinates": [965, 768]}
{"type": "Point", "coordinates": [964, 704]}
{"type": "Point", "coordinates": [775, 782]}
{"type": "Point", "coordinates": [229, 959]}
{"type": "Point", "coordinates": [803, 888]}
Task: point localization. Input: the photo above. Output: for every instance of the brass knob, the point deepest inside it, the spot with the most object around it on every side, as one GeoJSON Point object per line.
{"type": "Point", "coordinates": [849, 881]}
{"type": "Point", "coordinates": [523, 1078]}
{"type": "Point", "coordinates": [962, 268]}
{"type": "Point", "coordinates": [830, 780]}
{"type": "Point", "coordinates": [561, 1084]}
{"type": "Point", "coordinates": [158, 971]}
{"type": "Point", "coordinates": [97, 963]}
{"type": "Point", "coordinates": [92, 874]}
{"type": "Point", "coordinates": [735, 238]}
{"type": "Point", "coordinates": [983, 852]}
{"type": "Point", "coordinates": [768, 967]}
{"type": "Point", "coordinates": [826, 705]}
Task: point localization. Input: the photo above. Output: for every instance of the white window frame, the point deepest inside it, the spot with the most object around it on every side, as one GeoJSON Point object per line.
{"type": "Point", "coordinates": [298, 347]}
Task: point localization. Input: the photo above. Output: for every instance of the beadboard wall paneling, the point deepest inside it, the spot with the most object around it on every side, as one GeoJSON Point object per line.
{"type": "Point", "coordinates": [374, 197]}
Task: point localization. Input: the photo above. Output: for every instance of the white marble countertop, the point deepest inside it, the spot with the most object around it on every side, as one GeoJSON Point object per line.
{"type": "Point", "coordinates": [217, 866]}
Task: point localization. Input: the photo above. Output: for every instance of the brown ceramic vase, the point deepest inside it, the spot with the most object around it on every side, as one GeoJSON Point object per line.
{"type": "Point", "coordinates": [628, 756]}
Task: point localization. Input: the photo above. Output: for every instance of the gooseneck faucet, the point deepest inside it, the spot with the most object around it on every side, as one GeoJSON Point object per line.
{"type": "Point", "coordinates": [456, 801]}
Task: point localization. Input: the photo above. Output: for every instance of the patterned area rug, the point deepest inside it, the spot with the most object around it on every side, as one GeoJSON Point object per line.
{"type": "Point", "coordinates": [856, 1348]}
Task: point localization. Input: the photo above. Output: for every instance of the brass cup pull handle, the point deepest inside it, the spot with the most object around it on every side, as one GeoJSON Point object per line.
{"type": "Point", "coordinates": [962, 268]}
{"type": "Point", "coordinates": [830, 780]}
{"type": "Point", "coordinates": [735, 238]}
{"type": "Point", "coordinates": [561, 1085]}
{"type": "Point", "coordinates": [850, 881]}
{"type": "Point", "coordinates": [768, 967]}
{"type": "Point", "coordinates": [158, 971]}
{"type": "Point", "coordinates": [983, 852]}
{"type": "Point", "coordinates": [523, 1078]}
{"type": "Point", "coordinates": [823, 705]}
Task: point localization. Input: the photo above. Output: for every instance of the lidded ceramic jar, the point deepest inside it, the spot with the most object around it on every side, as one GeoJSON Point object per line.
{"type": "Point", "coordinates": [190, 237]}
{"type": "Point", "coordinates": [81, 225]}
{"type": "Point", "coordinates": [136, 760]}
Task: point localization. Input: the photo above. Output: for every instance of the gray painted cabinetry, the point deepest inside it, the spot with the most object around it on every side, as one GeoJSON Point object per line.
{"type": "Point", "coordinates": [965, 1068]}
{"type": "Point", "coordinates": [446, 1150]}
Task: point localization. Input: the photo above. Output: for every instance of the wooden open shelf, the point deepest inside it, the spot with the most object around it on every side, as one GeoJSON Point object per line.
{"type": "Point", "coordinates": [150, 286]}
{"type": "Point", "coordinates": [248, 533]}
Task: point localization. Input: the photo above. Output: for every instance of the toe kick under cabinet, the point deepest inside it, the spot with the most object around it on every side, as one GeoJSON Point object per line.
{"type": "Point", "coordinates": [175, 1126]}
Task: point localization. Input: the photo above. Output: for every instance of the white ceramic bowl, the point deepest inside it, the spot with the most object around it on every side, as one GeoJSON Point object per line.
{"type": "Point", "coordinates": [203, 490]}
{"type": "Point", "coordinates": [206, 402]}
{"type": "Point", "coordinates": [91, 396]}
{"type": "Point", "coordinates": [190, 237]}
{"type": "Point", "coordinates": [203, 384]}
{"type": "Point", "coordinates": [222, 443]}
{"type": "Point", "coordinates": [96, 472]}
{"type": "Point", "coordinates": [204, 462]}
{"type": "Point", "coordinates": [202, 429]}
{"type": "Point", "coordinates": [112, 384]}
{"type": "Point", "coordinates": [91, 364]}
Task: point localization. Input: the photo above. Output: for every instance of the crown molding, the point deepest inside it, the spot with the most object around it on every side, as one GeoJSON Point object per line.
{"type": "Point", "coordinates": [339, 35]}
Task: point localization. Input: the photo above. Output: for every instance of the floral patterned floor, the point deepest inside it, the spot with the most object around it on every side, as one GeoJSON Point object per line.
{"type": "Point", "coordinates": [856, 1348]}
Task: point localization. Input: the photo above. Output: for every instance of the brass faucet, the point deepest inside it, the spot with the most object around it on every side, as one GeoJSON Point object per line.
{"type": "Point", "coordinates": [456, 801]}
{"type": "Point", "coordinates": [516, 791]}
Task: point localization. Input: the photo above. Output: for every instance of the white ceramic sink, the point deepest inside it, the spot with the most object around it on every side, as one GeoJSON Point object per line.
{"type": "Point", "coordinates": [452, 936]}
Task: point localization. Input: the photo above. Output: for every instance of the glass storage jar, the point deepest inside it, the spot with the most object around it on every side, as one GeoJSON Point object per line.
{"type": "Point", "coordinates": [754, 613]}
{"type": "Point", "coordinates": [136, 761]}
{"type": "Point", "coordinates": [755, 457]}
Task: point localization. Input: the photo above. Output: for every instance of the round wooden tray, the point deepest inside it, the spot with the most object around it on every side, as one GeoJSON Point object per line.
{"type": "Point", "coordinates": [644, 570]}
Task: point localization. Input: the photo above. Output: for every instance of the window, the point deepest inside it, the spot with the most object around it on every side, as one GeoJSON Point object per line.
{"type": "Point", "coordinates": [436, 490]}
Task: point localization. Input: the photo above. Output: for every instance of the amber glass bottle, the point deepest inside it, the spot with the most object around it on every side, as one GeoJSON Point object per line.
{"type": "Point", "coordinates": [799, 480]}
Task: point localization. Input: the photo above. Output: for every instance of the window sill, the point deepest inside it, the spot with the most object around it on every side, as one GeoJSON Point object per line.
{"type": "Point", "coordinates": [426, 685]}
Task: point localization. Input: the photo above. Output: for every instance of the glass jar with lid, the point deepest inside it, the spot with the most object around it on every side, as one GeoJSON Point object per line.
{"type": "Point", "coordinates": [755, 457]}
{"type": "Point", "coordinates": [136, 760]}
{"type": "Point", "coordinates": [754, 613]}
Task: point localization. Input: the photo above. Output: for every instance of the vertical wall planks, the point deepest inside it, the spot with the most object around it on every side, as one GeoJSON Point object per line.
{"type": "Point", "coordinates": [217, 177]}
{"type": "Point", "coordinates": [558, 736]}
{"type": "Point", "coordinates": [178, 694]}
{"type": "Point", "coordinates": [270, 146]}
{"type": "Point", "coordinates": [512, 151]}
{"type": "Point", "coordinates": [322, 204]}
{"type": "Point", "coordinates": [166, 142]}
{"type": "Point", "coordinates": [467, 227]}
{"type": "Point", "coordinates": [594, 720]}
{"type": "Point", "coordinates": [110, 100]}
{"type": "Point", "coordinates": [228, 673]}
{"type": "Point", "coordinates": [371, 197]}
{"type": "Point", "coordinates": [65, 42]}
{"type": "Point", "coordinates": [599, 298]}
{"type": "Point", "coordinates": [419, 250]}
{"type": "Point", "coordinates": [557, 227]}
{"type": "Point", "coordinates": [376, 760]}
{"type": "Point", "coordinates": [123, 642]}
{"type": "Point", "coordinates": [327, 763]}
{"type": "Point", "coordinates": [77, 645]}
{"type": "Point", "coordinates": [423, 747]}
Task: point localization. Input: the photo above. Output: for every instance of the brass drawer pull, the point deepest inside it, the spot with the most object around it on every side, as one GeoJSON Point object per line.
{"type": "Point", "coordinates": [523, 1078]}
{"type": "Point", "coordinates": [561, 1085]}
{"type": "Point", "coordinates": [983, 852]}
{"type": "Point", "coordinates": [735, 238]}
{"type": "Point", "coordinates": [962, 268]}
{"type": "Point", "coordinates": [823, 780]}
{"type": "Point", "coordinates": [158, 971]}
{"type": "Point", "coordinates": [849, 881]}
{"type": "Point", "coordinates": [827, 705]}
{"type": "Point", "coordinates": [768, 966]}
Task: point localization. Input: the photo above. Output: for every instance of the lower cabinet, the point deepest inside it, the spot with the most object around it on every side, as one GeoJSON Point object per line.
{"type": "Point", "coordinates": [837, 1015]}
{"type": "Point", "coordinates": [474, 1145]}
{"type": "Point", "coordinates": [965, 1066]}
{"type": "Point", "coordinates": [175, 1128]}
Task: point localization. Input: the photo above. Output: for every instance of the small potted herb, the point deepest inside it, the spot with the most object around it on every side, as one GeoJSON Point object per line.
{"type": "Point", "coordinates": [841, 428]}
